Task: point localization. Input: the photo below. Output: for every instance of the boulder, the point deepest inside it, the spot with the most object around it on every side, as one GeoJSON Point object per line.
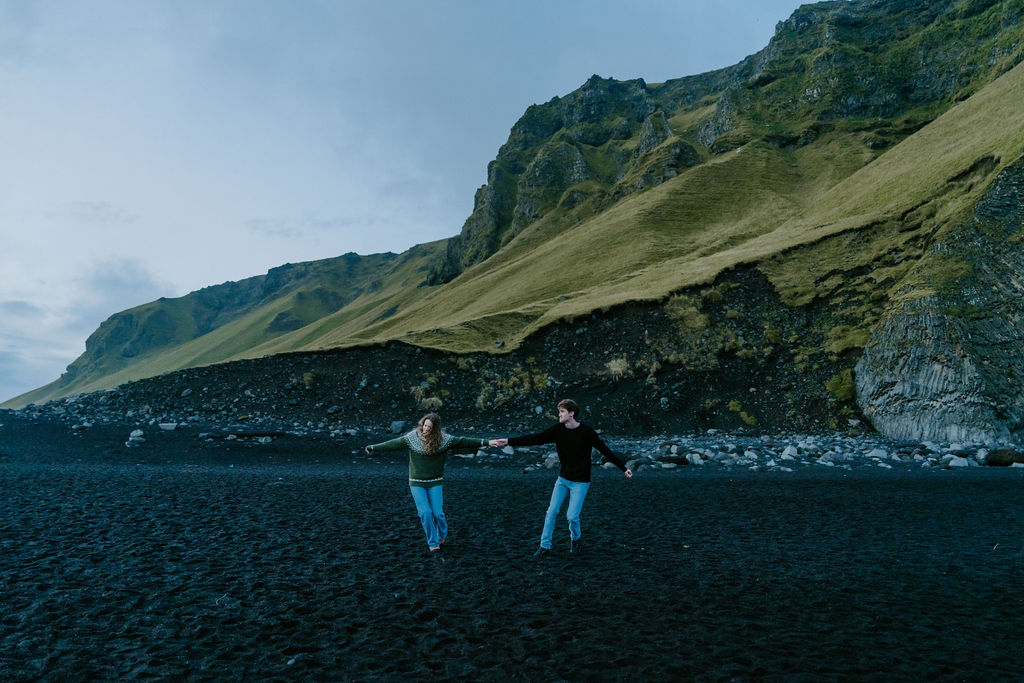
{"type": "Point", "coordinates": [1003, 457]}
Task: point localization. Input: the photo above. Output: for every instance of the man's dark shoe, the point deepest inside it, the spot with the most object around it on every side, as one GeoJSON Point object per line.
{"type": "Point", "coordinates": [574, 546]}
{"type": "Point", "coordinates": [542, 552]}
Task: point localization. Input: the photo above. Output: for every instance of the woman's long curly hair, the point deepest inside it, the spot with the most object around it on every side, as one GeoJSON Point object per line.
{"type": "Point", "coordinates": [432, 439]}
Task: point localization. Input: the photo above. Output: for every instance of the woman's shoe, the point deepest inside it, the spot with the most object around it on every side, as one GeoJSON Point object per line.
{"type": "Point", "coordinates": [435, 548]}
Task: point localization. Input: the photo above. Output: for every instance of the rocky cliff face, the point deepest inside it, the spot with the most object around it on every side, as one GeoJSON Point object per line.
{"type": "Point", "coordinates": [945, 363]}
{"type": "Point", "coordinates": [891, 66]}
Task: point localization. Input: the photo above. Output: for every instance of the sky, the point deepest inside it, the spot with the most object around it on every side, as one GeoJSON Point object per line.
{"type": "Point", "coordinates": [150, 148]}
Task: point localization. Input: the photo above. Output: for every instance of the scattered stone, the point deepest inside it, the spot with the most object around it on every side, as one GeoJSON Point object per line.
{"type": "Point", "coordinates": [136, 438]}
{"type": "Point", "coordinates": [1003, 457]}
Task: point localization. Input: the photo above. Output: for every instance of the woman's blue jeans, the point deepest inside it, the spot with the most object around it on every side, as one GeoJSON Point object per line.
{"type": "Point", "coordinates": [575, 491]}
{"type": "Point", "coordinates": [429, 504]}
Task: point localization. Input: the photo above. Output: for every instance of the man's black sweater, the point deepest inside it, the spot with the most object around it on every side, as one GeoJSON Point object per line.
{"type": "Point", "coordinates": [573, 448]}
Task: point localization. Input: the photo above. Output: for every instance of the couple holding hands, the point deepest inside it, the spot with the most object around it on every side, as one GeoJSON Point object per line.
{"type": "Point", "coordinates": [428, 447]}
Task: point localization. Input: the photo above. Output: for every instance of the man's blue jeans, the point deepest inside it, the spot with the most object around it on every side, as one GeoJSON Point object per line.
{"type": "Point", "coordinates": [429, 504]}
{"type": "Point", "coordinates": [575, 491]}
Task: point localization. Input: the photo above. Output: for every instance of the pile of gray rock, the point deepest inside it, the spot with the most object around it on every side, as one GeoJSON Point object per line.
{"type": "Point", "coordinates": [788, 453]}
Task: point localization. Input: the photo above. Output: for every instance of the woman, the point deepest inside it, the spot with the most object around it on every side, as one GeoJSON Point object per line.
{"type": "Point", "coordinates": [428, 448]}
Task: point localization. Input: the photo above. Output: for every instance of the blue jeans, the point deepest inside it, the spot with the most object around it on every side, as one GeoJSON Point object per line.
{"type": "Point", "coordinates": [429, 503]}
{"type": "Point", "coordinates": [576, 491]}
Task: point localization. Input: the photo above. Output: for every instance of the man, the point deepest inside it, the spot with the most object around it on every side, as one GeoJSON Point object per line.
{"type": "Point", "coordinates": [574, 441]}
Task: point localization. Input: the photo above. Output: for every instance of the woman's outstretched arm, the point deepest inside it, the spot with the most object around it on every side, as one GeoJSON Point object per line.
{"type": "Point", "coordinates": [393, 445]}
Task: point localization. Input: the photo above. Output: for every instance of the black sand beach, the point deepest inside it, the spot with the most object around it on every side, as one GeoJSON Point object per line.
{"type": "Point", "coordinates": [299, 560]}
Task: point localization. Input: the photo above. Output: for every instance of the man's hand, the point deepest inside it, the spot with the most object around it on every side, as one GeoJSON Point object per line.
{"type": "Point", "coordinates": [628, 473]}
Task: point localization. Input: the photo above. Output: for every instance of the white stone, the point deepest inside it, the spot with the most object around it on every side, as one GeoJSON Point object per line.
{"type": "Point", "coordinates": [877, 453]}
{"type": "Point", "coordinates": [790, 452]}
{"type": "Point", "coordinates": [694, 459]}
{"type": "Point", "coordinates": [668, 465]}
{"type": "Point", "coordinates": [168, 426]}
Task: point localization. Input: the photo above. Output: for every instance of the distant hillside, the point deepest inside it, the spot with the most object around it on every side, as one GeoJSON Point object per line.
{"type": "Point", "coordinates": [845, 162]}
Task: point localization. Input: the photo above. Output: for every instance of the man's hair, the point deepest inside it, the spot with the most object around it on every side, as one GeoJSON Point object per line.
{"type": "Point", "coordinates": [571, 406]}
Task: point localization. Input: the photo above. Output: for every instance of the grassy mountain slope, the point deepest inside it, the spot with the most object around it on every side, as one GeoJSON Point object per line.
{"type": "Point", "coordinates": [744, 207]}
{"type": "Point", "coordinates": [825, 160]}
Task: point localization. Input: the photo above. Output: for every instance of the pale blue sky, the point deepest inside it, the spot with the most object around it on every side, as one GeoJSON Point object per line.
{"type": "Point", "coordinates": [154, 147]}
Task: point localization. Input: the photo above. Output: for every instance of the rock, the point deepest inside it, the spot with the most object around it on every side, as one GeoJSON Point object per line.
{"type": "Point", "coordinates": [168, 426]}
{"type": "Point", "coordinates": [508, 450]}
{"type": "Point", "coordinates": [136, 438]}
{"type": "Point", "coordinates": [694, 459]}
{"type": "Point", "coordinates": [929, 370]}
{"type": "Point", "coordinates": [551, 461]}
{"type": "Point", "coordinates": [398, 426]}
{"type": "Point", "coordinates": [1003, 457]}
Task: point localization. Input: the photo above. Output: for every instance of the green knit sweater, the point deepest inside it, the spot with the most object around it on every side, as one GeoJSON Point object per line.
{"type": "Point", "coordinates": [425, 469]}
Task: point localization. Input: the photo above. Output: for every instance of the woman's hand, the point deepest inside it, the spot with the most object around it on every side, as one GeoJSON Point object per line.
{"type": "Point", "coordinates": [498, 443]}
{"type": "Point", "coordinates": [369, 450]}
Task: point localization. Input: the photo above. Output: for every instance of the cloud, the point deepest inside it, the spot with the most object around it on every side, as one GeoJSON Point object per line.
{"type": "Point", "coordinates": [18, 309]}
{"type": "Point", "coordinates": [27, 363]}
{"type": "Point", "coordinates": [292, 228]}
{"type": "Point", "coordinates": [40, 339]}
{"type": "Point", "coordinates": [111, 286]}
{"type": "Point", "coordinates": [97, 212]}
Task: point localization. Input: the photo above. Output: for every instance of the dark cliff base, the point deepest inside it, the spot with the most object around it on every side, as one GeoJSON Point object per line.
{"type": "Point", "coordinates": [299, 560]}
{"type": "Point", "coordinates": [631, 369]}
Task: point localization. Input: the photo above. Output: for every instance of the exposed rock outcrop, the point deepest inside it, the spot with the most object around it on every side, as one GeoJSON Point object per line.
{"type": "Point", "coordinates": [946, 361]}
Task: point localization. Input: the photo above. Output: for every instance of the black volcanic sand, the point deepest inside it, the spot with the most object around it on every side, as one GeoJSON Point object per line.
{"type": "Point", "coordinates": [299, 560]}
